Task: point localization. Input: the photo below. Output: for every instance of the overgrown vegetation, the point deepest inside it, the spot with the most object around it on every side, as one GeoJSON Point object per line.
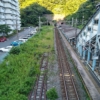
{"type": "Point", "coordinates": [15, 50]}
{"type": "Point", "coordinates": [52, 94]}
{"type": "Point", "coordinates": [18, 72]}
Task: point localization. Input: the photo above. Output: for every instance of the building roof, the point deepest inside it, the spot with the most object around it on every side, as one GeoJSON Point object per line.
{"type": "Point", "coordinates": [89, 20]}
{"type": "Point", "coordinates": [69, 31]}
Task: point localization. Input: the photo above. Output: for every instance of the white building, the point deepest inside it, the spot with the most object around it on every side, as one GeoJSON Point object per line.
{"type": "Point", "coordinates": [10, 14]}
{"type": "Point", "coordinates": [88, 42]}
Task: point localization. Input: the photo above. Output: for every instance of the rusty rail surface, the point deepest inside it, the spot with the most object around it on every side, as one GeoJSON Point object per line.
{"type": "Point", "coordinates": [69, 91]}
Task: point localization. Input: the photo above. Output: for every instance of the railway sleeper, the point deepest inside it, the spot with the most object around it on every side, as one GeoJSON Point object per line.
{"type": "Point", "coordinates": [39, 89]}
{"type": "Point", "coordinates": [72, 95]}
{"type": "Point", "coordinates": [42, 97]}
{"type": "Point", "coordinates": [67, 80]}
{"type": "Point", "coordinates": [39, 82]}
{"type": "Point", "coordinates": [73, 99]}
{"type": "Point", "coordinates": [71, 90]}
{"type": "Point", "coordinates": [62, 87]}
{"type": "Point", "coordinates": [41, 76]}
{"type": "Point", "coordinates": [40, 79]}
{"type": "Point", "coordinates": [69, 84]}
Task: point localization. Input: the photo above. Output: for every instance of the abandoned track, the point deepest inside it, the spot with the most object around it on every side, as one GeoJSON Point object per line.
{"type": "Point", "coordinates": [39, 91]}
{"type": "Point", "coordinates": [69, 91]}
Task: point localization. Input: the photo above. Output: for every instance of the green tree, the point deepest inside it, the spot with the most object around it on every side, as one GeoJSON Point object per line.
{"type": "Point", "coordinates": [5, 29]}
{"type": "Point", "coordinates": [30, 15]}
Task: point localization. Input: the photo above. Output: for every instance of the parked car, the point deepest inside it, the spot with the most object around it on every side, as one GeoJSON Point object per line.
{"type": "Point", "coordinates": [28, 35]}
{"type": "Point", "coordinates": [2, 39]}
{"type": "Point", "coordinates": [33, 33]}
{"type": "Point", "coordinates": [16, 43]}
{"type": "Point", "coordinates": [23, 40]}
{"type": "Point", "coordinates": [6, 49]}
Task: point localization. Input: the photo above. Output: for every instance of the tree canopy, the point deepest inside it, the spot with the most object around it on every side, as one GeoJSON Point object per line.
{"type": "Point", "coordinates": [65, 7]}
{"type": "Point", "coordinates": [30, 15]}
{"type": "Point", "coordinates": [85, 11]}
{"type": "Point", "coordinates": [5, 29]}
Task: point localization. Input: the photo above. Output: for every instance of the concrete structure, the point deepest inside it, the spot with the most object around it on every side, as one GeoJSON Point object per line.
{"type": "Point", "coordinates": [9, 13]}
{"type": "Point", "coordinates": [88, 80]}
{"type": "Point", "coordinates": [88, 43]}
{"type": "Point", "coordinates": [69, 32]}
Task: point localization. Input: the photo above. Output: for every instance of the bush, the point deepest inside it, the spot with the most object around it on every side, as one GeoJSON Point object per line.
{"type": "Point", "coordinates": [52, 94]}
{"type": "Point", "coordinates": [15, 50]}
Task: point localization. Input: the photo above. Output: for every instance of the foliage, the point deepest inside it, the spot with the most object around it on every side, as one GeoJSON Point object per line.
{"type": "Point", "coordinates": [52, 94]}
{"type": "Point", "coordinates": [15, 50]}
{"type": "Point", "coordinates": [5, 29]}
{"type": "Point", "coordinates": [19, 71]}
{"type": "Point", "coordinates": [56, 6]}
{"type": "Point", "coordinates": [85, 11]}
{"type": "Point", "coordinates": [30, 15]}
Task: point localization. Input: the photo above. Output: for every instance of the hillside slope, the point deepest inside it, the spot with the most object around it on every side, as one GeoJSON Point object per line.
{"type": "Point", "coordinates": [65, 7]}
{"type": "Point", "coordinates": [84, 13]}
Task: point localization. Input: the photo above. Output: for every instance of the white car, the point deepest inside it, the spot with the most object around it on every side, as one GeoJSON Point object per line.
{"type": "Point", "coordinates": [6, 49]}
{"type": "Point", "coordinates": [34, 31]}
{"type": "Point", "coordinates": [28, 35]}
{"type": "Point", "coordinates": [23, 40]}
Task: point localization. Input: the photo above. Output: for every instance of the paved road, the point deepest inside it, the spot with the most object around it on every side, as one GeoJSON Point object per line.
{"type": "Point", "coordinates": [11, 39]}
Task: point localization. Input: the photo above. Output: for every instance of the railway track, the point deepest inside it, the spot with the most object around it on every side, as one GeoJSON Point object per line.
{"type": "Point", "coordinates": [69, 91]}
{"type": "Point", "coordinates": [39, 91]}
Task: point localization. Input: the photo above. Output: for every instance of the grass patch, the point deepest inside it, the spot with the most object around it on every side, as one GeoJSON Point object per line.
{"type": "Point", "coordinates": [80, 26]}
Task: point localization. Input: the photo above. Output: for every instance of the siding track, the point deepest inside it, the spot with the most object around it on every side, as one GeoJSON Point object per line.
{"type": "Point", "coordinates": [39, 91]}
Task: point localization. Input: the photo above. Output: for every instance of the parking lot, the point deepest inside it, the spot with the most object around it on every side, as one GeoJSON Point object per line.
{"type": "Point", "coordinates": [15, 39]}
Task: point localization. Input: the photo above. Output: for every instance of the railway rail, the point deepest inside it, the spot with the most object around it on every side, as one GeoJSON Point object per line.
{"type": "Point", "coordinates": [69, 91]}
{"type": "Point", "coordinates": [39, 91]}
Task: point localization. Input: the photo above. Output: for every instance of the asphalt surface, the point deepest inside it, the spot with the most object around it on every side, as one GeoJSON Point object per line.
{"type": "Point", "coordinates": [13, 38]}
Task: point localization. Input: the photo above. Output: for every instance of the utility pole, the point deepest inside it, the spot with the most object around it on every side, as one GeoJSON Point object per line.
{"type": "Point", "coordinates": [75, 30]}
{"type": "Point", "coordinates": [39, 24]}
{"type": "Point", "coordinates": [47, 22]}
{"type": "Point", "coordinates": [72, 21]}
{"type": "Point", "coordinates": [83, 20]}
{"type": "Point", "coordinates": [17, 28]}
